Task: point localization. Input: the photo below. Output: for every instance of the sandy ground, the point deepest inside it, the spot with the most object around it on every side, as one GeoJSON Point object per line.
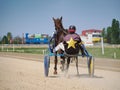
{"type": "Point", "coordinates": [21, 74]}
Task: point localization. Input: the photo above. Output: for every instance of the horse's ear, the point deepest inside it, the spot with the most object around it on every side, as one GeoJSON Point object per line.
{"type": "Point", "coordinates": [61, 18]}
{"type": "Point", "coordinates": [53, 19]}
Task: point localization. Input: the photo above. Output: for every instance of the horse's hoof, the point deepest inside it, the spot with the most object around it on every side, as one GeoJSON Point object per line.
{"type": "Point", "coordinates": [55, 72]}
{"type": "Point", "coordinates": [62, 69]}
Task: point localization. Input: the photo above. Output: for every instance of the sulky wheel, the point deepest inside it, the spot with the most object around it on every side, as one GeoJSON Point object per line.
{"type": "Point", "coordinates": [91, 66]}
{"type": "Point", "coordinates": [46, 65]}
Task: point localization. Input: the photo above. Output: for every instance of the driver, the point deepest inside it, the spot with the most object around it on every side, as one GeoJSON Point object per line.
{"type": "Point", "coordinates": [71, 39]}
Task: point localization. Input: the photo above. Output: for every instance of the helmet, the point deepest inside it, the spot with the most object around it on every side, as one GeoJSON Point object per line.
{"type": "Point", "coordinates": [72, 29]}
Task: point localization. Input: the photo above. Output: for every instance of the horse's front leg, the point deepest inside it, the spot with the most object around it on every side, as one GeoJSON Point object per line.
{"type": "Point", "coordinates": [77, 65]}
{"type": "Point", "coordinates": [55, 68]}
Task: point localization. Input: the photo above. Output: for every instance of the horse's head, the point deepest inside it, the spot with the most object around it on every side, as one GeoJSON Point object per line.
{"type": "Point", "coordinates": [58, 23]}
{"type": "Point", "coordinates": [60, 31]}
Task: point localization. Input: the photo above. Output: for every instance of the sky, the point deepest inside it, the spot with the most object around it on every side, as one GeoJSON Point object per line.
{"type": "Point", "coordinates": [35, 16]}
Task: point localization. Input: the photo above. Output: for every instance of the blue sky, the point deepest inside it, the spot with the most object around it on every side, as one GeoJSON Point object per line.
{"type": "Point", "coordinates": [35, 16]}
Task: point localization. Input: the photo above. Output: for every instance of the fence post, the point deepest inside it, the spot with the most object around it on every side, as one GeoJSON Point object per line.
{"type": "Point", "coordinates": [102, 45]}
{"type": "Point", "coordinates": [2, 47]}
{"type": "Point", "coordinates": [13, 48]}
{"type": "Point", "coordinates": [114, 55]}
{"type": "Point", "coordinates": [43, 52]}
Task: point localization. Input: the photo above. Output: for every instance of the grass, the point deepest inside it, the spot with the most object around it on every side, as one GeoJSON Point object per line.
{"type": "Point", "coordinates": [109, 52]}
{"type": "Point", "coordinates": [25, 50]}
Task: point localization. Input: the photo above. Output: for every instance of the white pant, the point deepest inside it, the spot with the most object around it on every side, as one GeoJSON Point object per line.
{"type": "Point", "coordinates": [59, 46]}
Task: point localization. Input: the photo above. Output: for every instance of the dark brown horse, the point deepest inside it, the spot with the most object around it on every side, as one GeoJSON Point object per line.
{"type": "Point", "coordinates": [60, 33]}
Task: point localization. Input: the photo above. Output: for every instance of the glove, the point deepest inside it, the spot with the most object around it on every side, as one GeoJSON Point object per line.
{"type": "Point", "coordinates": [54, 50]}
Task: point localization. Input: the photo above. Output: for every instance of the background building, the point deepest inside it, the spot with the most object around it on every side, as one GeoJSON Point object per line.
{"type": "Point", "coordinates": [91, 36]}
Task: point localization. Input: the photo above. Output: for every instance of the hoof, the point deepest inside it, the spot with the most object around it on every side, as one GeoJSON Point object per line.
{"type": "Point", "coordinates": [55, 72]}
{"type": "Point", "coordinates": [62, 68]}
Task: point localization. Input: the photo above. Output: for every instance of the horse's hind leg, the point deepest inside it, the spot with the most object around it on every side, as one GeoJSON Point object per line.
{"type": "Point", "coordinates": [55, 68]}
{"type": "Point", "coordinates": [77, 65]}
{"type": "Point", "coordinates": [67, 67]}
{"type": "Point", "coordinates": [68, 62]}
{"type": "Point", "coordinates": [62, 63]}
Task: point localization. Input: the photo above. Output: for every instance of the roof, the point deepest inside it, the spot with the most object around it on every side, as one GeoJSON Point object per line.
{"type": "Point", "coordinates": [90, 31]}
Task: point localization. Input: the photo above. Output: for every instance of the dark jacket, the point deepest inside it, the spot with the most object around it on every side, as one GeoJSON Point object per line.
{"type": "Point", "coordinates": [72, 50]}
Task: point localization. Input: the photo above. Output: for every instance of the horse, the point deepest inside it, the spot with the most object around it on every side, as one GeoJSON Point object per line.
{"type": "Point", "coordinates": [61, 32]}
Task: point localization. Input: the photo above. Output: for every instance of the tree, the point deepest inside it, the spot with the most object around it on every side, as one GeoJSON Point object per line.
{"type": "Point", "coordinates": [109, 31]}
{"type": "Point", "coordinates": [9, 36]}
{"type": "Point", "coordinates": [0, 39]}
{"type": "Point", "coordinates": [17, 40]}
{"type": "Point", "coordinates": [115, 32]}
{"type": "Point", "coordinates": [104, 34]}
{"type": "Point", "coordinates": [4, 40]}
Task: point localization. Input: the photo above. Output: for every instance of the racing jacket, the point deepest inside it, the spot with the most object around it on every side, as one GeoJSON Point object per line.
{"type": "Point", "coordinates": [71, 43]}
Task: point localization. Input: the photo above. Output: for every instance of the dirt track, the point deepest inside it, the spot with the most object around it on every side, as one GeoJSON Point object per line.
{"type": "Point", "coordinates": [24, 74]}
{"type": "Point", "coordinates": [100, 63]}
